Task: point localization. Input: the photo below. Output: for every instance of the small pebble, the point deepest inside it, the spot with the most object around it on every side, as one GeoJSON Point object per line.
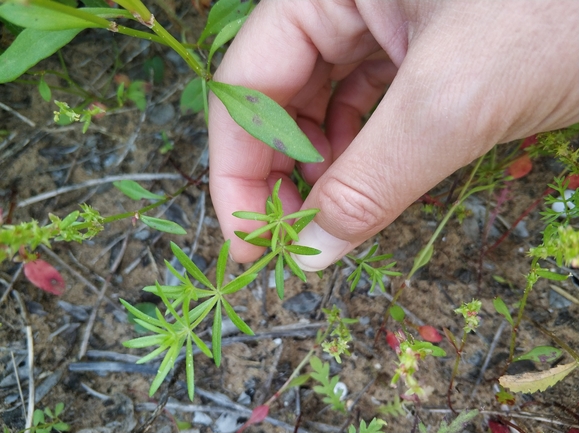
{"type": "Point", "coordinates": [341, 387]}
{"type": "Point", "coordinates": [227, 423]}
{"type": "Point", "coordinates": [202, 418]}
{"type": "Point", "coordinates": [244, 399]}
{"type": "Point", "coordinates": [559, 206]}
{"type": "Point", "coordinates": [162, 114]}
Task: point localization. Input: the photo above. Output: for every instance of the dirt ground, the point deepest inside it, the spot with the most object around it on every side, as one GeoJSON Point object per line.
{"type": "Point", "coordinates": [105, 391]}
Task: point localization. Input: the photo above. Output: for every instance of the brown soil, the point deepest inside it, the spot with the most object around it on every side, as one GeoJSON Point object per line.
{"type": "Point", "coordinates": [34, 160]}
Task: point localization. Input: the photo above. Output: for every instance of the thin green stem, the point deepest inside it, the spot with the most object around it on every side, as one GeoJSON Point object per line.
{"type": "Point", "coordinates": [181, 50]}
{"type": "Point", "coordinates": [455, 369]}
{"type": "Point", "coordinates": [531, 280]}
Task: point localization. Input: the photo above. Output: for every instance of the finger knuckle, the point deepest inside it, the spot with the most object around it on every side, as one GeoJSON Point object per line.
{"type": "Point", "coordinates": [352, 207]}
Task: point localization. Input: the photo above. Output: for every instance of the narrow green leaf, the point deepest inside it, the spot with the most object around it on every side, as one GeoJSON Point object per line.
{"type": "Point", "coordinates": [299, 381]}
{"type": "Point", "coordinates": [290, 231]}
{"type": "Point", "coordinates": [166, 365]}
{"type": "Point", "coordinates": [153, 354]}
{"type": "Point", "coordinates": [221, 14]}
{"type": "Point", "coordinates": [135, 191]}
{"type": "Point", "coordinates": [197, 314]}
{"type": "Point", "coordinates": [542, 354]}
{"type": "Point", "coordinates": [294, 267]}
{"type": "Point", "coordinates": [163, 225]}
{"type": "Point", "coordinates": [190, 266]}
{"type": "Point", "coordinates": [275, 237]}
{"type": "Point", "coordinates": [216, 335]}
{"type": "Point", "coordinates": [306, 213]}
{"type": "Point", "coordinates": [279, 280]}
{"type": "Point", "coordinates": [355, 278]}
{"type": "Point", "coordinates": [181, 277]}
{"type": "Point", "coordinates": [266, 120]}
{"type": "Point", "coordinates": [139, 314]}
{"type": "Point", "coordinates": [44, 89]}
{"type": "Point", "coordinates": [260, 242]}
{"type": "Point", "coordinates": [397, 313]}
{"type": "Point", "coordinates": [146, 307]}
{"type": "Point", "coordinates": [29, 48]}
{"type": "Point", "coordinates": [237, 321]}
{"type": "Point", "coordinates": [171, 292]}
{"type": "Point", "coordinates": [238, 283]}
{"type": "Point", "coordinates": [301, 223]}
{"type": "Point", "coordinates": [148, 327]}
{"type": "Point", "coordinates": [201, 345]}
{"type": "Point", "coordinates": [552, 275]}
{"type": "Point", "coordinates": [252, 216]}
{"type": "Point", "coordinates": [149, 340]}
{"type": "Point", "coordinates": [189, 370]}
{"type": "Point", "coordinates": [48, 412]}
{"type": "Point", "coordinates": [503, 310]}
{"type": "Point", "coordinates": [221, 266]}
{"type": "Point", "coordinates": [301, 250]}
{"type": "Point", "coordinates": [41, 18]}
{"type": "Point", "coordinates": [225, 35]}
{"type": "Point", "coordinates": [259, 231]}
{"type": "Point", "coordinates": [192, 96]}
{"type": "Point", "coordinates": [423, 257]}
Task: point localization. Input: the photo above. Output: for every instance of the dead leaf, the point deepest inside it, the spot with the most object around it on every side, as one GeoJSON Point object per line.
{"type": "Point", "coordinates": [538, 381]}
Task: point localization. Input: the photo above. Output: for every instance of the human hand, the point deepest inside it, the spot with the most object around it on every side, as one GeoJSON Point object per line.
{"type": "Point", "coordinates": [462, 77]}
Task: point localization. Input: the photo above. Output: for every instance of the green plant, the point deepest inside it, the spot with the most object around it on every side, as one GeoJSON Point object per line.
{"type": "Point", "coordinates": [375, 426]}
{"type": "Point", "coordinates": [46, 421]}
{"type": "Point", "coordinates": [174, 330]}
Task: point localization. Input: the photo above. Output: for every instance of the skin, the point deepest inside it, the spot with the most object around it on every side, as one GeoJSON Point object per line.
{"type": "Point", "coordinates": [462, 76]}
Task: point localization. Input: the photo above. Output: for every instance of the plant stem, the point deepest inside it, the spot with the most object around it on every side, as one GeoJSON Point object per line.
{"type": "Point", "coordinates": [181, 50]}
{"type": "Point", "coordinates": [455, 369]}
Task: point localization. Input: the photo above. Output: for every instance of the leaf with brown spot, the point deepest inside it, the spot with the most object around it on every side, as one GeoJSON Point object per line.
{"type": "Point", "coordinates": [266, 120]}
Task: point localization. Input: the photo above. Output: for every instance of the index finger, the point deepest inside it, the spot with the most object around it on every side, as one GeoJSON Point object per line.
{"type": "Point", "coordinates": [276, 52]}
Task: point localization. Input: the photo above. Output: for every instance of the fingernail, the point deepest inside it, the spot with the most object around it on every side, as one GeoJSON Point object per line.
{"type": "Point", "coordinates": [330, 246]}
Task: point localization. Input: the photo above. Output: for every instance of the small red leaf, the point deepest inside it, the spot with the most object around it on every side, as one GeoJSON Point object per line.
{"type": "Point", "coordinates": [430, 334]}
{"type": "Point", "coordinates": [497, 427]}
{"type": "Point", "coordinates": [573, 181]}
{"type": "Point", "coordinates": [392, 341]}
{"type": "Point", "coordinates": [520, 167]}
{"type": "Point", "coordinates": [257, 415]}
{"type": "Point", "coordinates": [529, 141]}
{"type": "Point", "coordinates": [45, 277]}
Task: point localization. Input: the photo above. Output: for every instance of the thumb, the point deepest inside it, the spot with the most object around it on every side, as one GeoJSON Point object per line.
{"type": "Point", "coordinates": [413, 140]}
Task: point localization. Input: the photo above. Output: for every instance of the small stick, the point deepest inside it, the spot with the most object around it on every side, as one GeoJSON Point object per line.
{"type": "Point", "coordinates": [18, 382]}
{"type": "Point", "coordinates": [273, 368]}
{"type": "Point", "coordinates": [9, 288]}
{"type": "Point", "coordinates": [521, 415]}
{"type": "Point", "coordinates": [492, 348]}
{"type": "Point", "coordinates": [17, 114]}
{"type": "Point", "coordinates": [30, 346]}
{"type": "Point", "coordinates": [96, 182]}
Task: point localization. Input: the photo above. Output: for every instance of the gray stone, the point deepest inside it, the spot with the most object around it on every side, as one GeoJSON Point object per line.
{"type": "Point", "coordinates": [303, 303]}
{"type": "Point", "coordinates": [162, 114]}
